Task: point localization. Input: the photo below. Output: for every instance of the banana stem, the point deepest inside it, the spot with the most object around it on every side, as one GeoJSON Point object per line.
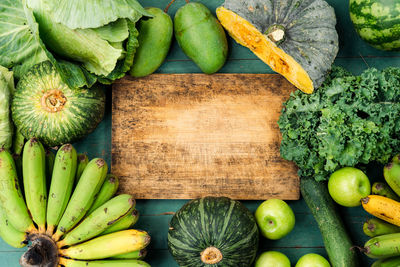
{"type": "Point", "coordinates": [42, 252]}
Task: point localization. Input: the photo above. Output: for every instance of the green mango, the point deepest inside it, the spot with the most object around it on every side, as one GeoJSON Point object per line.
{"type": "Point", "coordinates": [155, 35]}
{"type": "Point", "coordinates": [201, 37]}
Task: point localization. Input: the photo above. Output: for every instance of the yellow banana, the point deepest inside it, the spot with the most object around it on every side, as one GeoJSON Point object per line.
{"type": "Point", "coordinates": [104, 263]}
{"type": "Point", "coordinates": [107, 246]}
{"type": "Point", "coordinates": [382, 207]}
{"type": "Point", "coordinates": [83, 161]}
{"type": "Point", "coordinates": [62, 182]}
{"type": "Point", "coordinates": [9, 234]}
{"type": "Point", "coordinates": [99, 220]}
{"type": "Point", "coordinates": [124, 223]}
{"type": "Point", "coordinates": [34, 173]}
{"type": "Point", "coordinates": [83, 196]}
{"type": "Point", "coordinates": [108, 189]}
{"type": "Point", "coordinates": [11, 197]}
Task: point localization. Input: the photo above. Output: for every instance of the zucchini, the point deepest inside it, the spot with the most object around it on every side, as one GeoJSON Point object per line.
{"type": "Point", "coordinates": [337, 242]}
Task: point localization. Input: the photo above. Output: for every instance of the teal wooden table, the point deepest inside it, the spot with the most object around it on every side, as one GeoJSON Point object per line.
{"type": "Point", "coordinates": [354, 55]}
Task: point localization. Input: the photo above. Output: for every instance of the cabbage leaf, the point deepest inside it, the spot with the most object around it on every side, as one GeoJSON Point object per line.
{"type": "Point", "coordinates": [19, 47]}
{"type": "Point", "coordinates": [6, 91]}
{"type": "Point", "coordinates": [125, 64]}
{"type": "Point", "coordinates": [114, 32]}
{"type": "Point", "coordinates": [82, 45]}
{"type": "Point", "coordinates": [85, 14]}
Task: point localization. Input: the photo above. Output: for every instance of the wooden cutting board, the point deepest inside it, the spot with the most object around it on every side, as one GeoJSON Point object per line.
{"type": "Point", "coordinates": [183, 136]}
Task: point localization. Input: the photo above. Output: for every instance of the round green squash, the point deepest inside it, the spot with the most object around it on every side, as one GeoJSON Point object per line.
{"type": "Point", "coordinates": [297, 39]}
{"type": "Point", "coordinates": [377, 22]}
{"type": "Point", "coordinates": [46, 108]}
{"type": "Point", "coordinates": [213, 231]}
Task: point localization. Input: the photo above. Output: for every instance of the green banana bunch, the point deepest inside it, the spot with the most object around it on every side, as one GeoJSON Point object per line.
{"type": "Point", "coordinates": [124, 223]}
{"type": "Point", "coordinates": [83, 196]}
{"type": "Point", "coordinates": [83, 161]}
{"type": "Point", "coordinates": [391, 172]}
{"type": "Point", "coordinates": [67, 226]}
{"type": "Point", "coordinates": [106, 263]}
{"type": "Point", "coordinates": [50, 158]}
{"type": "Point", "coordinates": [134, 255]}
{"type": "Point", "coordinates": [108, 189]}
{"type": "Point", "coordinates": [107, 246]}
{"type": "Point", "coordinates": [62, 181]}
{"type": "Point", "coordinates": [34, 174]}
{"type": "Point", "coordinates": [99, 220]}
{"type": "Point", "coordinates": [11, 197]}
{"type": "Point", "coordinates": [9, 234]}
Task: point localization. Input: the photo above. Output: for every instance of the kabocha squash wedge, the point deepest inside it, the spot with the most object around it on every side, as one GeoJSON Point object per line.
{"type": "Point", "coordinates": [297, 39]}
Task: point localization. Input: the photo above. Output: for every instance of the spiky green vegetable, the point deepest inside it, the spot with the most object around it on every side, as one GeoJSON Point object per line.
{"type": "Point", "coordinates": [347, 121]}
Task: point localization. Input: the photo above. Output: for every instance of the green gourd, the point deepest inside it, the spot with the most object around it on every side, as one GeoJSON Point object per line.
{"type": "Point", "coordinates": [201, 36]}
{"type": "Point", "coordinates": [155, 36]}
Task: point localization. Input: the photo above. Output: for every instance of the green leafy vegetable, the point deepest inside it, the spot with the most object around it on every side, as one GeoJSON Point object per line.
{"type": "Point", "coordinates": [81, 56]}
{"type": "Point", "coordinates": [82, 45]}
{"type": "Point", "coordinates": [124, 65]}
{"type": "Point", "coordinates": [19, 47]}
{"type": "Point", "coordinates": [93, 13]}
{"type": "Point", "coordinates": [114, 32]}
{"type": "Point", "coordinates": [347, 121]}
{"type": "Point", "coordinates": [6, 91]}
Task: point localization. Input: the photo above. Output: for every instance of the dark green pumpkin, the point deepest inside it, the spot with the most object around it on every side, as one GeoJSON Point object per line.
{"type": "Point", "coordinates": [213, 231]}
{"type": "Point", "coordinates": [46, 108]}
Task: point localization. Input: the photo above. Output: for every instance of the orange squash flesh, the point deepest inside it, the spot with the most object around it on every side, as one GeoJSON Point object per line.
{"type": "Point", "coordinates": [247, 35]}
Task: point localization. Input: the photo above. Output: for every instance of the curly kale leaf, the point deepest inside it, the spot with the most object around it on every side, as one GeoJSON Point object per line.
{"type": "Point", "coordinates": [349, 120]}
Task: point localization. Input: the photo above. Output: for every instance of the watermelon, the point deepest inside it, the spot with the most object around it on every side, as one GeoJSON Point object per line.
{"type": "Point", "coordinates": [213, 231]}
{"type": "Point", "coordinates": [377, 22]}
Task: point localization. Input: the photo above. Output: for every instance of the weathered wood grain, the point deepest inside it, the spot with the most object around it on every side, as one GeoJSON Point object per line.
{"type": "Point", "coordinates": [190, 135]}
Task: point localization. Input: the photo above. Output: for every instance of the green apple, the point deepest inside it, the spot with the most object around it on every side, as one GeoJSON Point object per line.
{"type": "Point", "coordinates": [312, 260]}
{"type": "Point", "coordinates": [272, 259]}
{"type": "Point", "coordinates": [275, 218]}
{"type": "Point", "coordinates": [347, 186]}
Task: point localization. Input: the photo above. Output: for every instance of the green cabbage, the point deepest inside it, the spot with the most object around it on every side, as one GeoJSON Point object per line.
{"type": "Point", "coordinates": [19, 48]}
{"type": "Point", "coordinates": [83, 45]}
{"type": "Point", "coordinates": [85, 14]}
{"type": "Point", "coordinates": [29, 35]}
{"type": "Point", "coordinates": [6, 91]}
